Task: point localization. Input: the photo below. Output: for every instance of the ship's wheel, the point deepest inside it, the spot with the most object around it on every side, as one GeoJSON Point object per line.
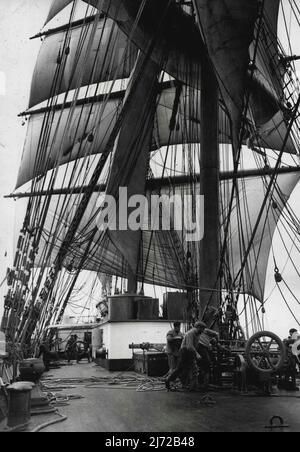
{"type": "Point", "coordinates": [265, 353]}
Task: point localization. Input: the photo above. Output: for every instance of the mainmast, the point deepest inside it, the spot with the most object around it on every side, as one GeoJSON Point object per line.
{"type": "Point", "coordinates": [209, 182]}
{"type": "Point", "coordinates": [228, 30]}
{"type": "Point", "coordinates": [209, 272]}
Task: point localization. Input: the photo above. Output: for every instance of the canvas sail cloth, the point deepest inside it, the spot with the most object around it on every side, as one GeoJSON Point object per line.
{"type": "Point", "coordinates": [160, 252]}
{"type": "Point", "coordinates": [269, 74]}
{"type": "Point", "coordinates": [228, 28]}
{"type": "Point", "coordinates": [111, 58]}
{"type": "Point", "coordinates": [116, 9]}
{"type": "Point", "coordinates": [67, 144]}
{"type": "Point", "coordinates": [181, 39]}
{"type": "Point", "coordinates": [252, 192]}
{"type": "Point", "coordinates": [101, 114]}
{"type": "Point", "coordinates": [159, 262]}
{"type": "Point", "coordinates": [185, 57]}
{"type": "Point", "coordinates": [56, 7]}
{"type": "Point", "coordinates": [275, 132]}
{"type": "Point", "coordinates": [131, 157]}
{"type": "Point", "coordinates": [268, 58]}
{"type": "Point", "coordinates": [178, 40]}
{"type": "Point", "coordinates": [66, 135]}
{"type": "Point", "coordinates": [181, 44]}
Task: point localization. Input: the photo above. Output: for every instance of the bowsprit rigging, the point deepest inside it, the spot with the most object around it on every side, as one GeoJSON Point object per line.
{"type": "Point", "coordinates": [163, 99]}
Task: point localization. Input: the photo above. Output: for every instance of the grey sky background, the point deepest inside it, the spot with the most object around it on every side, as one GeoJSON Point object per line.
{"type": "Point", "coordinates": [19, 20]}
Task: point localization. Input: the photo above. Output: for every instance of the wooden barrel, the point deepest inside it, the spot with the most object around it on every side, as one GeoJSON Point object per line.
{"type": "Point", "coordinates": [31, 369]}
{"type": "Point", "coordinates": [19, 404]}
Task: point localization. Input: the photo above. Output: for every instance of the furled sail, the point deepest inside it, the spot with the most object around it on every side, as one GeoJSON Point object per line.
{"type": "Point", "coordinates": [228, 29]}
{"type": "Point", "coordinates": [111, 58]}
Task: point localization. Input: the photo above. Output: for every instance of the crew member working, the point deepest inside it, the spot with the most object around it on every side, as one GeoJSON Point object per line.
{"type": "Point", "coordinates": [187, 368]}
{"type": "Point", "coordinates": [292, 345]}
{"type": "Point", "coordinates": [174, 341]}
{"type": "Point", "coordinates": [206, 341]}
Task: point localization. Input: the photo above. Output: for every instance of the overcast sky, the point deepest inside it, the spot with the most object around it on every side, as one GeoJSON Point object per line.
{"type": "Point", "coordinates": [19, 20]}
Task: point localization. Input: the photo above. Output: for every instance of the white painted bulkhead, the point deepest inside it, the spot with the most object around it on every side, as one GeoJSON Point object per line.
{"type": "Point", "coordinates": [117, 336]}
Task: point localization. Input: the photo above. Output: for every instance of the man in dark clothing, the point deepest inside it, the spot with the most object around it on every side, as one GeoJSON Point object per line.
{"type": "Point", "coordinates": [174, 341]}
{"type": "Point", "coordinates": [187, 368]}
{"type": "Point", "coordinates": [290, 374]}
{"type": "Point", "coordinates": [71, 348]}
{"type": "Point", "coordinates": [46, 355]}
{"type": "Point", "coordinates": [207, 338]}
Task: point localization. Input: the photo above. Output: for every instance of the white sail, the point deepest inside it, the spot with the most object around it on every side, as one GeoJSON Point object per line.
{"type": "Point", "coordinates": [159, 253]}
{"type": "Point", "coordinates": [180, 42]}
{"type": "Point", "coordinates": [243, 220]}
{"type": "Point", "coordinates": [56, 7]}
{"type": "Point", "coordinates": [275, 133]}
{"type": "Point", "coordinates": [68, 133]}
{"type": "Point", "coordinates": [111, 58]}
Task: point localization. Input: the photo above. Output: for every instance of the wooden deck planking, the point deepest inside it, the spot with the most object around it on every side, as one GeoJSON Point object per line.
{"type": "Point", "coordinates": [119, 410]}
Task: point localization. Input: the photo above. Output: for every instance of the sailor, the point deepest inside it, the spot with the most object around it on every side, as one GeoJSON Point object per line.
{"type": "Point", "coordinates": [47, 355]}
{"type": "Point", "coordinates": [292, 343]}
{"type": "Point", "coordinates": [207, 339]}
{"type": "Point", "coordinates": [174, 341]}
{"type": "Point", "coordinates": [187, 368]}
{"type": "Point", "coordinates": [294, 335]}
{"type": "Point", "coordinates": [71, 348]}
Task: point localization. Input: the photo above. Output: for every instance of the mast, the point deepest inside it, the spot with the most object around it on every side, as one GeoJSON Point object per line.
{"type": "Point", "coordinates": [227, 28]}
{"type": "Point", "coordinates": [209, 183]}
